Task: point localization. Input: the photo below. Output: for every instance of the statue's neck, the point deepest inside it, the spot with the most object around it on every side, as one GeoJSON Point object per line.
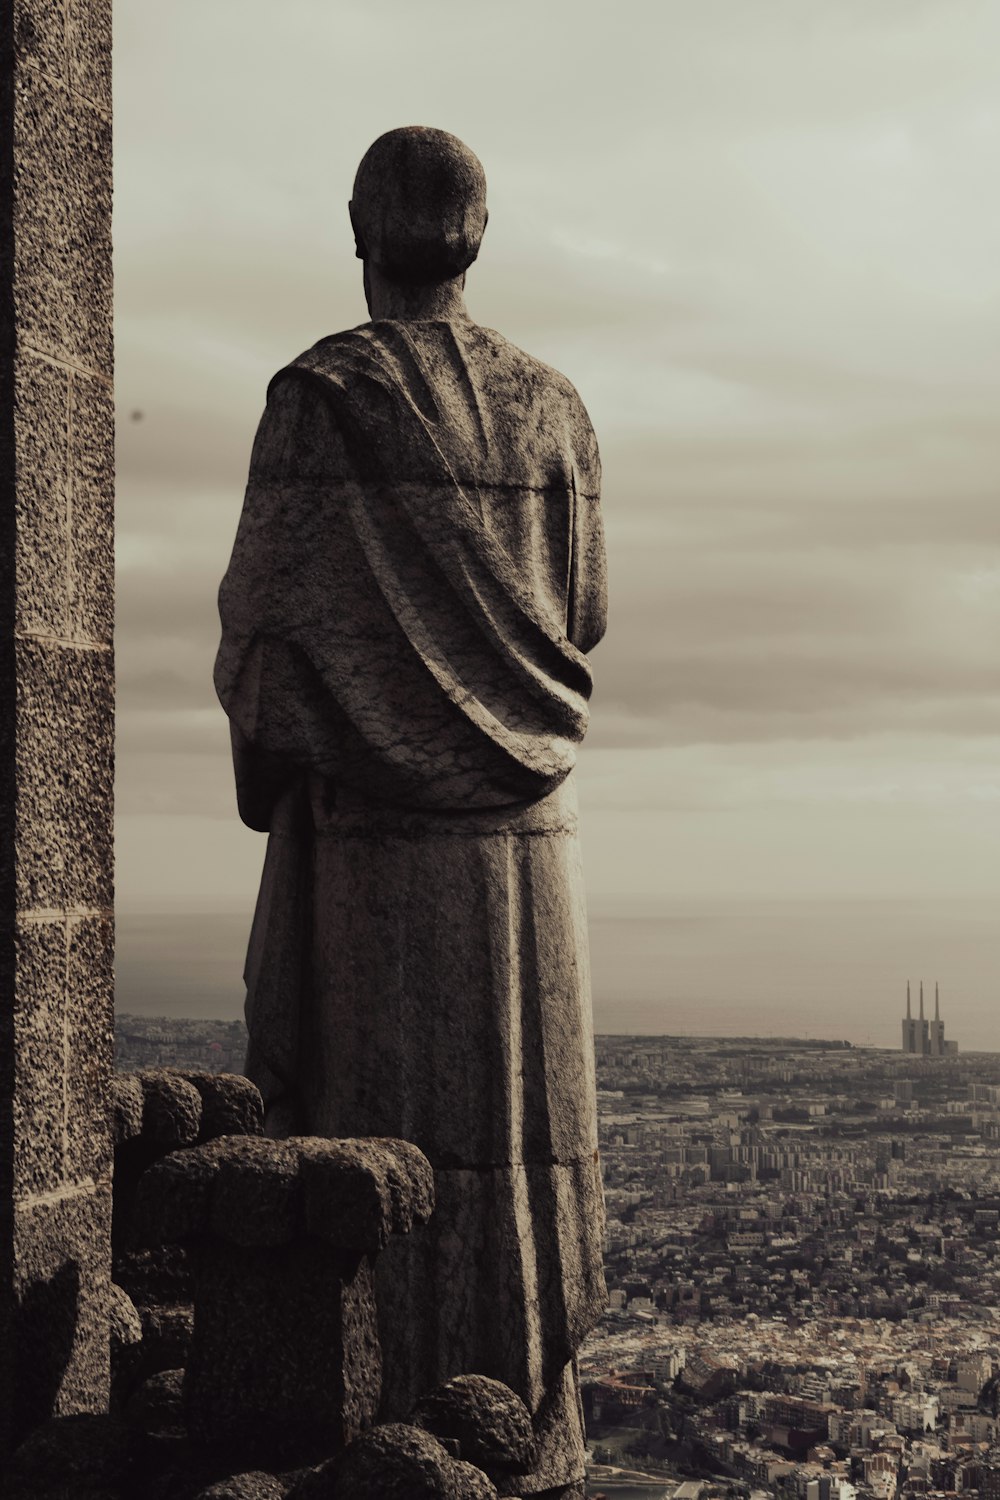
{"type": "Point", "coordinates": [444, 300]}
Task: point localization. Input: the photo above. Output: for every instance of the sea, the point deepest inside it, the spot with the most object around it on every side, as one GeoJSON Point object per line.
{"type": "Point", "coordinates": [836, 969]}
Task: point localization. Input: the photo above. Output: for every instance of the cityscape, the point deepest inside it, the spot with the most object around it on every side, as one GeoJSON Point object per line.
{"type": "Point", "coordinates": [801, 1259]}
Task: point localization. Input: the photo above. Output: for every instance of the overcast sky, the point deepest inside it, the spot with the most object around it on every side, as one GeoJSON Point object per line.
{"type": "Point", "coordinates": [763, 239]}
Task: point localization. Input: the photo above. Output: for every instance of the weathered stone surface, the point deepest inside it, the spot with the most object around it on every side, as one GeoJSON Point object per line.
{"type": "Point", "coordinates": [178, 1109]}
{"type": "Point", "coordinates": [257, 1196]}
{"type": "Point", "coordinates": [416, 581]}
{"type": "Point", "coordinates": [61, 1289]}
{"type": "Point", "coordinates": [419, 205]}
{"type": "Point", "coordinates": [156, 1407]}
{"type": "Point", "coordinates": [39, 35]}
{"type": "Point", "coordinates": [167, 1331]}
{"type": "Point", "coordinates": [127, 1107]}
{"type": "Point", "coordinates": [124, 1323]}
{"type": "Point", "coordinates": [171, 1107]}
{"type": "Point", "coordinates": [127, 1353]}
{"type": "Point", "coordinates": [41, 429]}
{"type": "Point", "coordinates": [56, 719]}
{"type": "Point", "coordinates": [230, 1105]}
{"type": "Point", "coordinates": [63, 140]}
{"type": "Point", "coordinates": [255, 1485]}
{"type": "Point", "coordinates": [91, 1044]}
{"type": "Point", "coordinates": [284, 1365]}
{"type": "Point", "coordinates": [399, 1462]}
{"type": "Point", "coordinates": [155, 1277]}
{"type": "Point", "coordinates": [76, 1457]}
{"type": "Point", "coordinates": [91, 590]}
{"type": "Point", "coordinates": [357, 1193]}
{"type": "Point", "coordinates": [491, 1425]}
{"type": "Point", "coordinates": [347, 1198]}
{"type": "Point", "coordinates": [88, 36]}
{"type": "Point", "coordinates": [65, 767]}
{"type": "Point", "coordinates": [411, 1185]}
{"type": "Point", "coordinates": [284, 1358]}
{"type": "Point", "coordinates": [485, 1220]}
{"type": "Point", "coordinates": [173, 1199]}
{"type": "Point", "coordinates": [37, 1102]}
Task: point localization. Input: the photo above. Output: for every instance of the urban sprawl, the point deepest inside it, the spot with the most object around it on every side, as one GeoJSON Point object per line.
{"type": "Point", "coordinates": [802, 1260]}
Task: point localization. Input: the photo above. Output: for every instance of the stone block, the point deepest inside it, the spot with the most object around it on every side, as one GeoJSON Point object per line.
{"type": "Point", "coordinates": [125, 1331]}
{"type": "Point", "coordinates": [347, 1200]}
{"type": "Point", "coordinates": [230, 1105]}
{"type": "Point", "coordinates": [90, 1053]}
{"type": "Point", "coordinates": [159, 1277]}
{"type": "Point", "coordinates": [167, 1330]}
{"type": "Point", "coordinates": [91, 602]}
{"type": "Point", "coordinates": [396, 1462]}
{"type": "Point", "coordinates": [71, 1458]}
{"type": "Point", "coordinates": [89, 37]}
{"type": "Point", "coordinates": [255, 1485]}
{"type": "Point", "coordinates": [65, 770]}
{"type": "Point", "coordinates": [491, 1424]}
{"type": "Point", "coordinates": [38, 1102]}
{"type": "Point", "coordinates": [173, 1199]}
{"type": "Point", "coordinates": [62, 252]}
{"type": "Point", "coordinates": [40, 35]}
{"type": "Point", "coordinates": [59, 1332]}
{"type": "Point", "coordinates": [42, 307]}
{"type": "Point", "coordinates": [284, 1362]}
{"type": "Point", "coordinates": [155, 1408]}
{"type": "Point", "coordinates": [257, 1199]}
{"type": "Point", "coordinates": [41, 434]}
{"type": "Point", "coordinates": [359, 1192]}
{"type": "Point", "coordinates": [126, 1107]}
{"type": "Point", "coordinates": [410, 1178]}
{"type": "Point", "coordinates": [88, 201]}
{"type": "Point", "coordinates": [284, 1365]}
{"type": "Point", "coordinates": [171, 1113]}
{"type": "Point", "coordinates": [123, 1320]}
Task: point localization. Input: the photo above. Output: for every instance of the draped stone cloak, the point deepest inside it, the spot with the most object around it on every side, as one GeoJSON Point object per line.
{"type": "Point", "coordinates": [417, 576]}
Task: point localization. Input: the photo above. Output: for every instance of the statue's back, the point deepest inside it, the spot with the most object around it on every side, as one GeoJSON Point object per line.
{"type": "Point", "coordinates": [418, 575]}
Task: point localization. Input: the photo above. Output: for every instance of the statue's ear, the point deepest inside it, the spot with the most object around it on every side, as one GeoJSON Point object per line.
{"type": "Point", "coordinates": [360, 249]}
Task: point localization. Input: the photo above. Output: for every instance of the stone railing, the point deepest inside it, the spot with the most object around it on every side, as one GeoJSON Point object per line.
{"type": "Point", "coordinates": [246, 1360]}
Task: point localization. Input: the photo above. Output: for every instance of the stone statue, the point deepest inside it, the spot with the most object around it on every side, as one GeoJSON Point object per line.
{"type": "Point", "coordinates": [417, 576]}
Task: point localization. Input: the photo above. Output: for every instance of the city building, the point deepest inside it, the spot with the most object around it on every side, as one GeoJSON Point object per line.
{"type": "Point", "coordinates": [922, 1037]}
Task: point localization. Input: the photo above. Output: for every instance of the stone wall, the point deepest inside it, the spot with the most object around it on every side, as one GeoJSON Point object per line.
{"type": "Point", "coordinates": [56, 707]}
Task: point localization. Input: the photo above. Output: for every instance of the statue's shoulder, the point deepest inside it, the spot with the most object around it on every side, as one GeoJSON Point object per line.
{"type": "Point", "coordinates": [547, 399]}
{"type": "Point", "coordinates": [331, 357]}
{"type": "Point", "coordinates": [372, 371]}
{"type": "Point", "coordinates": [512, 360]}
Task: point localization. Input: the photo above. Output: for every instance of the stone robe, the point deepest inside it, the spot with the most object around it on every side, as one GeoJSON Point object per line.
{"type": "Point", "coordinates": [418, 573]}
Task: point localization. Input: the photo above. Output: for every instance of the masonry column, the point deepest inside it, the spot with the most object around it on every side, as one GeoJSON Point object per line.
{"type": "Point", "coordinates": [56, 707]}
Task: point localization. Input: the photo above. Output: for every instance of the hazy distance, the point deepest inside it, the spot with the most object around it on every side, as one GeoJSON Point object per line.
{"type": "Point", "coordinates": [760, 240]}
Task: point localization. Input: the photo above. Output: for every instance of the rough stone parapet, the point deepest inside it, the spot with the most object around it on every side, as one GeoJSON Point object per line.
{"type": "Point", "coordinates": [488, 1423]}
{"type": "Point", "coordinates": [169, 1107]}
{"type": "Point", "coordinates": [150, 1454]}
{"type": "Point", "coordinates": [156, 1111]}
{"type": "Point", "coordinates": [284, 1363]}
{"type": "Point", "coordinates": [353, 1194]}
{"type": "Point", "coordinates": [395, 1462]}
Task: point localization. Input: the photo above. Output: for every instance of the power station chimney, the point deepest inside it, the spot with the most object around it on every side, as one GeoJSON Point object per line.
{"type": "Point", "coordinates": [921, 999]}
{"type": "Point", "coordinates": [937, 1010]}
{"type": "Point", "coordinates": [908, 1016]}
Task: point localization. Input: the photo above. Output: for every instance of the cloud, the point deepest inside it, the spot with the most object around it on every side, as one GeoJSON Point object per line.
{"type": "Point", "coordinates": [763, 252]}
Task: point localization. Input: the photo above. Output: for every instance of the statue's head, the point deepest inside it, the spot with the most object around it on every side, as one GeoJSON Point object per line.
{"type": "Point", "coordinates": [419, 205]}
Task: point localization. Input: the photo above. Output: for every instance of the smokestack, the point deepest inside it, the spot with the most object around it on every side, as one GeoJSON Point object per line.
{"type": "Point", "coordinates": [921, 999]}
{"type": "Point", "coordinates": [908, 1016]}
{"type": "Point", "coordinates": [937, 1010]}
